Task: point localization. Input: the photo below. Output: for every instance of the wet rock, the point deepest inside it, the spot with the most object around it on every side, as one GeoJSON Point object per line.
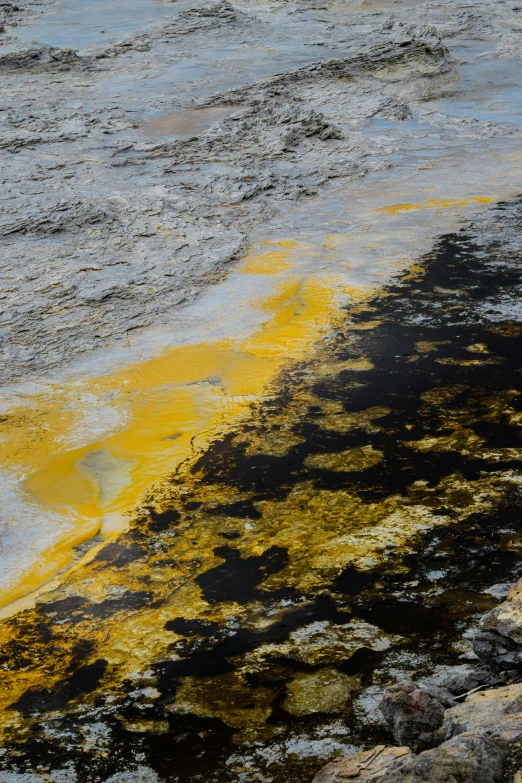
{"type": "Point", "coordinates": [413, 714]}
{"type": "Point", "coordinates": [193, 20]}
{"type": "Point", "coordinates": [322, 643]}
{"type": "Point", "coordinates": [381, 763]}
{"type": "Point", "coordinates": [222, 10]}
{"type": "Point", "coordinates": [457, 680]}
{"type": "Point", "coordinates": [498, 641]}
{"type": "Point", "coordinates": [420, 53]}
{"type": "Point", "coordinates": [37, 58]}
{"type": "Point", "coordinates": [324, 691]}
{"type": "Point", "coordinates": [139, 774]}
{"type": "Point", "coordinates": [480, 735]}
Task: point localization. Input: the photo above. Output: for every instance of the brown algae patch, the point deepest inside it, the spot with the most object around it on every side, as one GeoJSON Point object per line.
{"type": "Point", "coordinates": [232, 699]}
{"type": "Point", "coordinates": [273, 576]}
{"type": "Point", "coordinates": [327, 691]}
{"type": "Point", "coordinates": [353, 459]}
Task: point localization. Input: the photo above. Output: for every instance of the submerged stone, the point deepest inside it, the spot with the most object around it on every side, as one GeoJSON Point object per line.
{"type": "Point", "coordinates": [326, 690]}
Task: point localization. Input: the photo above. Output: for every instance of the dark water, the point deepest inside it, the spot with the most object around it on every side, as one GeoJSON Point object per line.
{"type": "Point", "coordinates": [439, 403]}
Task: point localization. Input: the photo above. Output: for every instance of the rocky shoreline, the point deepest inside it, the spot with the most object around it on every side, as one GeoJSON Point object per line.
{"type": "Point", "coordinates": [466, 729]}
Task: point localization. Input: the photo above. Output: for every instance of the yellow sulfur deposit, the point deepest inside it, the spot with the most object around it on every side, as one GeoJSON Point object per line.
{"type": "Point", "coordinates": [432, 203]}
{"type": "Point", "coordinates": [169, 407]}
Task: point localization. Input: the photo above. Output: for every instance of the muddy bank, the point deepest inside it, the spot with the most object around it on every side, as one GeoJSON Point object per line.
{"type": "Point", "coordinates": [350, 533]}
{"type": "Point", "coordinates": [108, 229]}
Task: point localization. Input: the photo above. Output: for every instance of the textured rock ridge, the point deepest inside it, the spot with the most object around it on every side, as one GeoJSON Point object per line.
{"type": "Point", "coordinates": [414, 714]}
{"type": "Point", "coordinates": [499, 639]}
{"type": "Point", "coordinates": [476, 741]}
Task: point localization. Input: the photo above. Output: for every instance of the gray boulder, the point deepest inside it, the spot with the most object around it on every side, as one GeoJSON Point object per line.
{"type": "Point", "coordinates": [413, 714]}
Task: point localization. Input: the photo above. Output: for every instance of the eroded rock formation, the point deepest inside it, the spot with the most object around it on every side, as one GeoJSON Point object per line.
{"type": "Point", "coordinates": [477, 741]}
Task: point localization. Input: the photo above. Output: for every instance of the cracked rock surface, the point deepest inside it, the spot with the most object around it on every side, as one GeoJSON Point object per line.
{"type": "Point", "coordinates": [107, 226]}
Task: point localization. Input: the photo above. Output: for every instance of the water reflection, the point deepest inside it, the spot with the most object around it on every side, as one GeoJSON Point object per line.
{"type": "Point", "coordinates": [188, 121]}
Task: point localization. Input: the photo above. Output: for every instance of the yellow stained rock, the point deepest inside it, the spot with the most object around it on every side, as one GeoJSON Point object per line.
{"type": "Point", "coordinates": [271, 263]}
{"type": "Point", "coordinates": [327, 690]}
{"type": "Point", "coordinates": [360, 458]}
{"type": "Point", "coordinates": [230, 698]}
{"type": "Point", "coordinates": [147, 726]}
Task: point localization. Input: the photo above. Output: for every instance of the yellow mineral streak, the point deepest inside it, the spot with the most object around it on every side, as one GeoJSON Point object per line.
{"type": "Point", "coordinates": [322, 531]}
{"type": "Point", "coordinates": [170, 405]}
{"type": "Point", "coordinates": [432, 203]}
{"type": "Point", "coordinates": [196, 392]}
{"type": "Point", "coordinates": [270, 263]}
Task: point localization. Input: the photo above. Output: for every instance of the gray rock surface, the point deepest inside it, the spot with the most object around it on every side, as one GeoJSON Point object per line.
{"type": "Point", "coordinates": [480, 735]}
{"type": "Point", "coordinates": [413, 715]}
{"type": "Point", "coordinates": [107, 228]}
{"type": "Point", "coordinates": [465, 678]}
{"type": "Point", "coordinates": [104, 231]}
{"type": "Point", "coordinates": [499, 638]}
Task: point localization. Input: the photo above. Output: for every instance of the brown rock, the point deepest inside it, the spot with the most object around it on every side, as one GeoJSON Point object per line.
{"type": "Point", "coordinates": [377, 764]}
{"type": "Point", "coordinates": [413, 715]}
{"type": "Point", "coordinates": [480, 735]}
{"type": "Point", "coordinates": [495, 713]}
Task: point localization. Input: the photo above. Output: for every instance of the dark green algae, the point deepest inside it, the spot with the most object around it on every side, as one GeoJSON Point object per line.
{"type": "Point", "coordinates": [452, 325]}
